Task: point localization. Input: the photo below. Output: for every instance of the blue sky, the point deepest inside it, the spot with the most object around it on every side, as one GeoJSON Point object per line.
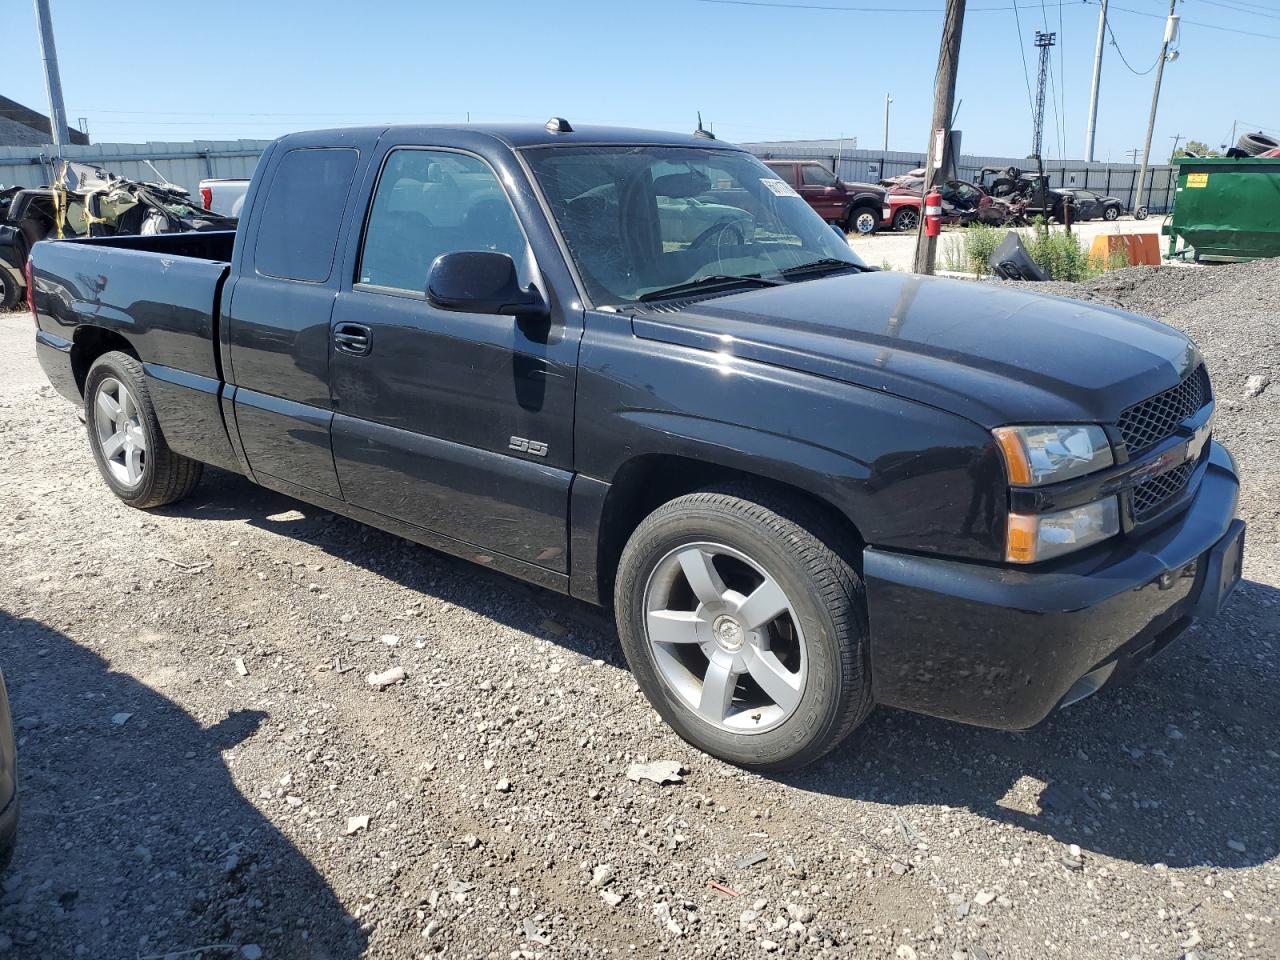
{"type": "Point", "coordinates": [180, 71]}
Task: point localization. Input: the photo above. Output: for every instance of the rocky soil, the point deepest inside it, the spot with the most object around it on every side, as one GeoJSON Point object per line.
{"type": "Point", "coordinates": [206, 770]}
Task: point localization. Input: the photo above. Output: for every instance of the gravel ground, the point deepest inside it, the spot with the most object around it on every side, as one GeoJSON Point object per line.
{"type": "Point", "coordinates": [200, 747]}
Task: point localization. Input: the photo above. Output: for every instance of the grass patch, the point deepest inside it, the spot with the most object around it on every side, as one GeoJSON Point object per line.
{"type": "Point", "coordinates": [1062, 255]}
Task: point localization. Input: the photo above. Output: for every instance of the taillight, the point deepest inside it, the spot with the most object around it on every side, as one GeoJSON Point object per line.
{"type": "Point", "coordinates": [31, 290]}
{"type": "Point", "coordinates": [206, 197]}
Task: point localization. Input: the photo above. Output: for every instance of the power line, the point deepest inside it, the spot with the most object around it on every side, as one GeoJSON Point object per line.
{"type": "Point", "coordinates": [1026, 75]}
{"type": "Point", "coordinates": [1158, 16]}
{"type": "Point", "coordinates": [1245, 10]}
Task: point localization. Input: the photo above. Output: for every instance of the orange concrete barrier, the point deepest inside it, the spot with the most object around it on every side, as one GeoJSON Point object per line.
{"type": "Point", "coordinates": [1129, 249]}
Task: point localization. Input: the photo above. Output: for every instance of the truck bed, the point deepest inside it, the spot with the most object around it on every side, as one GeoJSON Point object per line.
{"type": "Point", "coordinates": [162, 295]}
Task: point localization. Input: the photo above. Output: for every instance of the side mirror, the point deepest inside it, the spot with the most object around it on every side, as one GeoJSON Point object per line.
{"type": "Point", "coordinates": [477, 281]}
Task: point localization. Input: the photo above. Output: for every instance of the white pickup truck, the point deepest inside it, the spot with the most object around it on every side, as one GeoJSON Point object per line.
{"type": "Point", "coordinates": [223, 196]}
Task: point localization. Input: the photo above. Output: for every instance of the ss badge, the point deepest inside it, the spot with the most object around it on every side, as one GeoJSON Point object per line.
{"type": "Point", "coordinates": [534, 448]}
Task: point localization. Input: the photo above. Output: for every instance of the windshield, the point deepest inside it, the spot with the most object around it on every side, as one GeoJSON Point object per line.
{"type": "Point", "coordinates": [640, 220]}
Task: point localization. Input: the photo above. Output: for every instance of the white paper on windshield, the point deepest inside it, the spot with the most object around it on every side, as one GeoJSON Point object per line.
{"type": "Point", "coordinates": [779, 188]}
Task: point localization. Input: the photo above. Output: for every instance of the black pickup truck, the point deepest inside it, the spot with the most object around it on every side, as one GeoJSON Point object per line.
{"type": "Point", "coordinates": [637, 368]}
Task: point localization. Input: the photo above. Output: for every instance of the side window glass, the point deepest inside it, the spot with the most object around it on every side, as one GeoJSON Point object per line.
{"type": "Point", "coordinates": [298, 230]}
{"type": "Point", "coordinates": [430, 202]}
{"type": "Point", "coordinates": [816, 175]}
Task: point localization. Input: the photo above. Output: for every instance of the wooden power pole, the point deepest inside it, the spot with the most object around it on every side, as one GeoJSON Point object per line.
{"type": "Point", "coordinates": [944, 95]}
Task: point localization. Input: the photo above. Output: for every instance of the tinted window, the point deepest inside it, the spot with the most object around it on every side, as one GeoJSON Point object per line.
{"type": "Point", "coordinates": [430, 202]}
{"type": "Point", "coordinates": [785, 171]}
{"type": "Point", "coordinates": [816, 175]}
{"type": "Point", "coordinates": [640, 219]}
{"type": "Point", "coordinates": [298, 231]}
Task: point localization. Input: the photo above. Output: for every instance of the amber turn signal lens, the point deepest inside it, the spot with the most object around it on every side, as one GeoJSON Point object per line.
{"type": "Point", "coordinates": [1015, 455]}
{"type": "Point", "coordinates": [1020, 546]}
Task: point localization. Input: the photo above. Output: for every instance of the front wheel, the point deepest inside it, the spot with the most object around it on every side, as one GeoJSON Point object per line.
{"type": "Point", "coordinates": [906, 219]}
{"type": "Point", "coordinates": [745, 629]}
{"type": "Point", "coordinates": [1110, 213]}
{"type": "Point", "coordinates": [1140, 213]}
{"type": "Point", "coordinates": [9, 290]}
{"type": "Point", "coordinates": [125, 436]}
{"type": "Point", "coordinates": [862, 221]}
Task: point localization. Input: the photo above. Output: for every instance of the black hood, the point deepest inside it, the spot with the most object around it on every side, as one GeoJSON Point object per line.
{"type": "Point", "coordinates": [988, 352]}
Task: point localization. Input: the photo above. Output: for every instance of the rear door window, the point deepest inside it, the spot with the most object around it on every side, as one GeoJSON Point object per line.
{"type": "Point", "coordinates": [298, 228]}
{"type": "Point", "coordinates": [430, 202]}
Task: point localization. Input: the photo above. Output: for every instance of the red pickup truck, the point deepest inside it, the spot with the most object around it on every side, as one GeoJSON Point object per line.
{"type": "Point", "coordinates": [858, 207]}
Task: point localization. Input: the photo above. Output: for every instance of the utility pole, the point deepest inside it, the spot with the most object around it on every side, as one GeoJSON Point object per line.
{"type": "Point", "coordinates": [1176, 138]}
{"type": "Point", "coordinates": [887, 100]}
{"type": "Point", "coordinates": [944, 95]}
{"type": "Point", "coordinates": [1132, 154]}
{"type": "Point", "coordinates": [52, 82]}
{"type": "Point", "coordinates": [1097, 77]}
{"type": "Point", "coordinates": [1170, 31]}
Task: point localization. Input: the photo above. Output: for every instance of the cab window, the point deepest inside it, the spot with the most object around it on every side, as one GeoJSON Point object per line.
{"type": "Point", "coordinates": [430, 202]}
{"type": "Point", "coordinates": [816, 175]}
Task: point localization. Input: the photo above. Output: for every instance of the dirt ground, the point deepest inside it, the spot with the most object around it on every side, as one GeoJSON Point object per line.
{"type": "Point", "coordinates": [200, 748]}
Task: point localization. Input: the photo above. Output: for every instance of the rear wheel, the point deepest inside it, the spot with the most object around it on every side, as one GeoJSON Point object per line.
{"type": "Point", "coordinates": [906, 219]}
{"type": "Point", "coordinates": [125, 436]}
{"type": "Point", "coordinates": [746, 631]}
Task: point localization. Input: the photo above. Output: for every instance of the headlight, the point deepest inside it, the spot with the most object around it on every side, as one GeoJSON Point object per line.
{"type": "Point", "coordinates": [1039, 536]}
{"type": "Point", "coordinates": [1039, 455]}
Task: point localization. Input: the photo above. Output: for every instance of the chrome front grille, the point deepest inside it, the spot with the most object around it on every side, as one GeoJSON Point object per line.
{"type": "Point", "coordinates": [1147, 423]}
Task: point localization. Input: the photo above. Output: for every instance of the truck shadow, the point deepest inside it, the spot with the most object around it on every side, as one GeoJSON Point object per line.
{"type": "Point", "coordinates": [1167, 769]}
{"type": "Point", "coordinates": [134, 839]}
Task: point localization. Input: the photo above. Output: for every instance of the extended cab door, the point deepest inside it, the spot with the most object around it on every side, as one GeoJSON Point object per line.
{"type": "Point", "coordinates": [276, 315]}
{"type": "Point", "coordinates": [458, 423]}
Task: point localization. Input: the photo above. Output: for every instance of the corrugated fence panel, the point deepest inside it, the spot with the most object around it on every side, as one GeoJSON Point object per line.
{"type": "Point", "coordinates": [185, 164]}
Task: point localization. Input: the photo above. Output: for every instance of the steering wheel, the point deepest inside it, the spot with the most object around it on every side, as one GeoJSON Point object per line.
{"type": "Point", "coordinates": [719, 233]}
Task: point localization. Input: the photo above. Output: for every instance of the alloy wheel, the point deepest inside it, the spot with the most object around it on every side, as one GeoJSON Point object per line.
{"type": "Point", "coordinates": [725, 637]}
{"type": "Point", "coordinates": [121, 438]}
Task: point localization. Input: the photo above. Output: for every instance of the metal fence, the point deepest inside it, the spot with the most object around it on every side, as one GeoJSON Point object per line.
{"type": "Point", "coordinates": [1118, 180]}
{"type": "Point", "coordinates": [185, 164]}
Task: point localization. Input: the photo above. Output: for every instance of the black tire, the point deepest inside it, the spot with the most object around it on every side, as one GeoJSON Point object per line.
{"type": "Point", "coordinates": [1110, 213]}
{"type": "Point", "coordinates": [906, 219]}
{"type": "Point", "coordinates": [1254, 144]}
{"type": "Point", "coordinates": [10, 292]}
{"type": "Point", "coordinates": [825, 592]}
{"type": "Point", "coordinates": [167, 477]}
{"type": "Point", "coordinates": [1140, 213]}
{"type": "Point", "coordinates": [863, 221]}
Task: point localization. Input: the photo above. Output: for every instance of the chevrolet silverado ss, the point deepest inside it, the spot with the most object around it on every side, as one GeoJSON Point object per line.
{"type": "Point", "coordinates": [637, 368]}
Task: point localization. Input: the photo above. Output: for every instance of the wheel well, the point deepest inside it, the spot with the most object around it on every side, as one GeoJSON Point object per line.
{"type": "Point", "coordinates": [88, 344]}
{"type": "Point", "coordinates": [646, 483]}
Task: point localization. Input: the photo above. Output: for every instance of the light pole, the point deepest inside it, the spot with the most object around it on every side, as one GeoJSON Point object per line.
{"type": "Point", "coordinates": [52, 82]}
{"type": "Point", "coordinates": [887, 100]}
{"type": "Point", "coordinates": [1097, 77]}
{"type": "Point", "coordinates": [1170, 32]}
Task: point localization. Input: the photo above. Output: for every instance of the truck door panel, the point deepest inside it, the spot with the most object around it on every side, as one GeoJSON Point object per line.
{"type": "Point", "coordinates": [460, 423]}
{"type": "Point", "coordinates": [277, 317]}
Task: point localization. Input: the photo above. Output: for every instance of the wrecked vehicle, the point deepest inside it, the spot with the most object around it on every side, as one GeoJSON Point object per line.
{"type": "Point", "coordinates": [963, 203]}
{"type": "Point", "coordinates": [88, 201]}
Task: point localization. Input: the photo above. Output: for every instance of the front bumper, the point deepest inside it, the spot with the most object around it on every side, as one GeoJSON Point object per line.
{"type": "Point", "coordinates": [1003, 647]}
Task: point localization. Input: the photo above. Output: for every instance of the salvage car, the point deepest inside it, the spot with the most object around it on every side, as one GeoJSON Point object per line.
{"type": "Point", "coordinates": [857, 207]}
{"type": "Point", "coordinates": [88, 201]}
{"type": "Point", "coordinates": [804, 486]}
{"type": "Point", "coordinates": [1087, 205]}
{"type": "Point", "coordinates": [963, 203]}
{"type": "Point", "coordinates": [8, 781]}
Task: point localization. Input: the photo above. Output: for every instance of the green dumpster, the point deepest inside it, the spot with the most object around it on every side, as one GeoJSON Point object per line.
{"type": "Point", "coordinates": [1225, 209]}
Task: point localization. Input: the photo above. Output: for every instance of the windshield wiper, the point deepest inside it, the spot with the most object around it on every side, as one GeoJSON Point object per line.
{"type": "Point", "coordinates": [714, 280]}
{"type": "Point", "coordinates": [825, 264]}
